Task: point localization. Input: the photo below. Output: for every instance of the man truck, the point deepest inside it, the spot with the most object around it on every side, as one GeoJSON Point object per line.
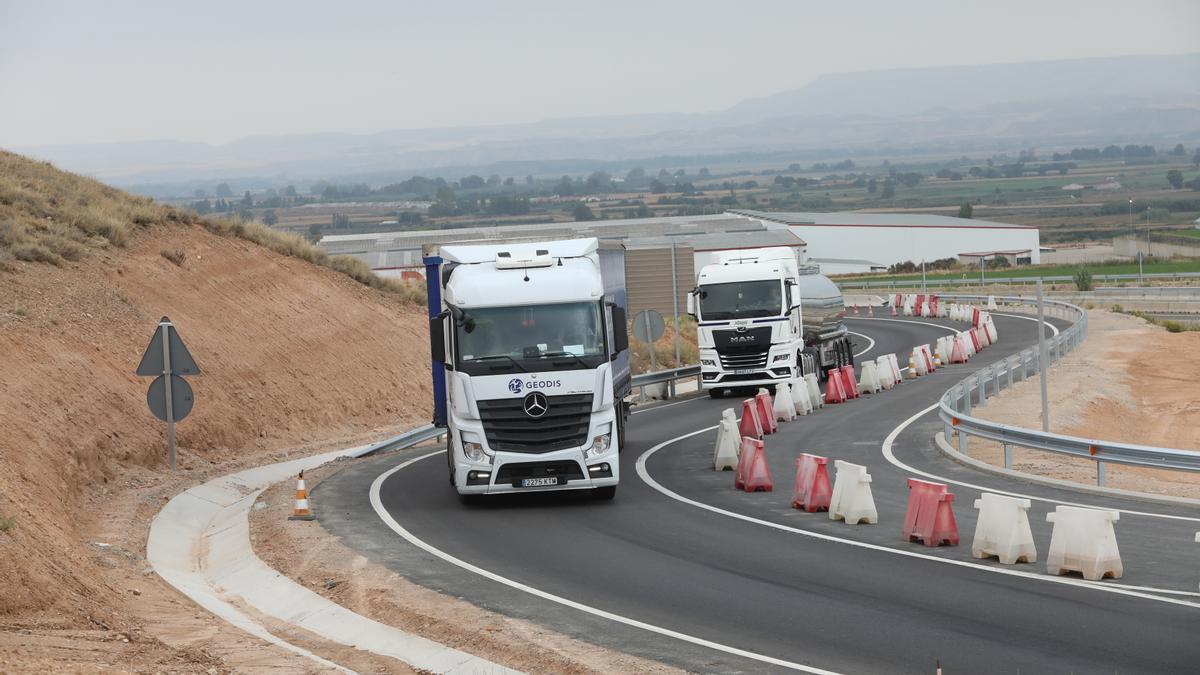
{"type": "Point", "coordinates": [763, 318]}
{"type": "Point", "coordinates": [532, 344]}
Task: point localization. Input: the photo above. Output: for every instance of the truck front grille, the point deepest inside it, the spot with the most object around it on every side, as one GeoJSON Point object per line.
{"type": "Point", "coordinates": [510, 473]}
{"type": "Point", "coordinates": [565, 424]}
{"type": "Point", "coordinates": [756, 360]}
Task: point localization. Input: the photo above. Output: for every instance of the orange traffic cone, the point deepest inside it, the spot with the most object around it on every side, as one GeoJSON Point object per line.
{"type": "Point", "coordinates": [855, 310]}
{"type": "Point", "coordinates": [301, 510]}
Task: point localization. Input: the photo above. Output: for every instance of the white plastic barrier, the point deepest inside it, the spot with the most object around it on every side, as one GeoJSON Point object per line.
{"type": "Point", "coordinates": [916, 363]}
{"type": "Point", "coordinates": [927, 353]}
{"type": "Point", "coordinates": [725, 454]}
{"type": "Point", "coordinates": [800, 396]}
{"type": "Point", "coordinates": [1084, 541]}
{"type": "Point", "coordinates": [991, 302]}
{"type": "Point", "coordinates": [895, 368]}
{"type": "Point", "coordinates": [784, 406]}
{"type": "Point", "coordinates": [990, 327]}
{"type": "Point", "coordinates": [883, 370]}
{"type": "Point", "coordinates": [1002, 529]}
{"type": "Point", "coordinates": [814, 391]}
{"type": "Point", "coordinates": [852, 500]}
{"type": "Point", "coordinates": [943, 350]}
{"type": "Point", "coordinates": [868, 381]}
{"type": "Point", "coordinates": [968, 343]}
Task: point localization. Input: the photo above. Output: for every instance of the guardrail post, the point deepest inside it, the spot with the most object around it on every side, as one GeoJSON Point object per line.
{"type": "Point", "coordinates": [996, 378]}
{"type": "Point", "coordinates": [982, 389]}
{"type": "Point", "coordinates": [1008, 365]}
{"type": "Point", "coordinates": [1099, 473]}
{"type": "Point", "coordinates": [1007, 456]}
{"type": "Point", "coordinates": [966, 398]}
{"type": "Point", "coordinates": [962, 441]}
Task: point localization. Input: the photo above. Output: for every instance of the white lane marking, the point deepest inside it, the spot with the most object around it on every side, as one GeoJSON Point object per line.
{"type": "Point", "coordinates": [644, 474]}
{"type": "Point", "coordinates": [412, 539]}
{"type": "Point", "coordinates": [1028, 318]}
{"type": "Point", "coordinates": [869, 347]}
{"type": "Point", "coordinates": [891, 457]}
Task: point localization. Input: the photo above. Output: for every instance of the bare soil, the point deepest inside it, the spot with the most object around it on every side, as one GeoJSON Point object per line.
{"type": "Point", "coordinates": [296, 359]}
{"type": "Point", "coordinates": [311, 556]}
{"type": "Point", "coordinates": [1131, 382]}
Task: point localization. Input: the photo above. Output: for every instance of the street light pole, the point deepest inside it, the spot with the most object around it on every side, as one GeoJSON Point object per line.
{"type": "Point", "coordinates": [1147, 231]}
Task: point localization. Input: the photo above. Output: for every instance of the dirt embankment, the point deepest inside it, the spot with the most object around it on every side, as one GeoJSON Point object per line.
{"type": "Point", "coordinates": [1131, 382]}
{"type": "Point", "coordinates": [295, 358]}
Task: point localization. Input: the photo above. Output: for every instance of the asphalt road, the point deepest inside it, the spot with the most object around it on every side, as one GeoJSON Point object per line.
{"type": "Point", "coordinates": [682, 568]}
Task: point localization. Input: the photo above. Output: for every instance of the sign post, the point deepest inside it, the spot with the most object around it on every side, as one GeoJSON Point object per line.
{"type": "Point", "coordinates": [169, 396]}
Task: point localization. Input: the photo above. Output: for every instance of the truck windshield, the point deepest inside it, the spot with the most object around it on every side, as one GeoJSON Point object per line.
{"type": "Point", "coordinates": [741, 300]}
{"type": "Point", "coordinates": [507, 337]}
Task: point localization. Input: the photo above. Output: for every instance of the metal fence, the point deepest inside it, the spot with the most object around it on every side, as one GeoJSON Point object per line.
{"type": "Point", "coordinates": [670, 376]}
{"type": "Point", "coordinates": [972, 392]}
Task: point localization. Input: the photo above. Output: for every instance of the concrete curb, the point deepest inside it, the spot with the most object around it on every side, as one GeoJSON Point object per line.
{"type": "Point", "coordinates": [950, 451]}
{"type": "Point", "coordinates": [200, 544]}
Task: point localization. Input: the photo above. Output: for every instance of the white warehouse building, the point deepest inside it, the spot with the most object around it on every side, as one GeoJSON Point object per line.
{"type": "Point", "coordinates": [838, 243]}
{"type": "Point", "coordinates": [851, 242]}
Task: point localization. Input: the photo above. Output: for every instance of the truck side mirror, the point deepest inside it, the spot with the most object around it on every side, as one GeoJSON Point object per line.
{"type": "Point", "coordinates": [794, 292]}
{"type": "Point", "coordinates": [437, 338]}
{"type": "Point", "coordinates": [691, 304]}
{"type": "Point", "coordinates": [620, 330]}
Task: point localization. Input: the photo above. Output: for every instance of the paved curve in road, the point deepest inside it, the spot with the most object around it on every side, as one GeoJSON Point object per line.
{"type": "Point", "coordinates": [682, 568]}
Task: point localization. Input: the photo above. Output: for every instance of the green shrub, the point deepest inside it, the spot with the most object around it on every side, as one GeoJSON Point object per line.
{"type": "Point", "coordinates": [1083, 279]}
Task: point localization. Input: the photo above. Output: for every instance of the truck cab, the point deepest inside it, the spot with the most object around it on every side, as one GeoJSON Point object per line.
{"type": "Point", "coordinates": [532, 338]}
{"type": "Point", "coordinates": [763, 318]}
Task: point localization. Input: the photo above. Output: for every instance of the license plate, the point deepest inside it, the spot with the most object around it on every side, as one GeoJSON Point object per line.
{"type": "Point", "coordinates": [745, 371]}
{"type": "Point", "coordinates": [539, 482]}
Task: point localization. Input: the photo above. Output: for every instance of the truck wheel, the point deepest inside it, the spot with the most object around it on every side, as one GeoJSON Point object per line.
{"type": "Point", "coordinates": [849, 353]}
{"type": "Point", "coordinates": [607, 492]}
{"type": "Point", "coordinates": [450, 458]}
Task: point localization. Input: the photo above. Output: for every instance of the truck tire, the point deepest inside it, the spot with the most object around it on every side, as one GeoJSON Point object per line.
{"type": "Point", "coordinates": [849, 353]}
{"type": "Point", "coordinates": [606, 492]}
{"type": "Point", "coordinates": [450, 458]}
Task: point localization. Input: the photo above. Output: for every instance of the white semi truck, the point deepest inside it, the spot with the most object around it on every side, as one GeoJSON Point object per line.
{"type": "Point", "coordinates": [765, 318]}
{"type": "Point", "coordinates": [532, 341]}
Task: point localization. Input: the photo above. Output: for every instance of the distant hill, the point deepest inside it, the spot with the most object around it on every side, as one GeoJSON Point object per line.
{"type": "Point", "coordinates": [1141, 99]}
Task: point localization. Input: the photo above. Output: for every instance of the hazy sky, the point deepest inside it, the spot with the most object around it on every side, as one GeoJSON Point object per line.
{"type": "Point", "coordinates": [82, 72]}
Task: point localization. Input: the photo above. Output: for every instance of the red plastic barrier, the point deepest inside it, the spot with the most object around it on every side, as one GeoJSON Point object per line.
{"type": "Point", "coordinates": [745, 461]}
{"type": "Point", "coordinates": [975, 340]}
{"type": "Point", "coordinates": [928, 358]}
{"type": "Point", "coordinates": [930, 514]}
{"type": "Point", "coordinates": [835, 391]}
{"type": "Point", "coordinates": [812, 491]}
{"type": "Point", "coordinates": [975, 316]}
{"type": "Point", "coordinates": [749, 425]}
{"type": "Point", "coordinates": [766, 412]}
{"type": "Point", "coordinates": [920, 303]}
{"type": "Point", "coordinates": [958, 351]}
{"type": "Point", "coordinates": [933, 305]}
{"type": "Point", "coordinates": [758, 476]}
{"type": "Point", "coordinates": [848, 381]}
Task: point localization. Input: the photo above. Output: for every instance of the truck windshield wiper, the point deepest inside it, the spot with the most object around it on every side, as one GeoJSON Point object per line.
{"type": "Point", "coordinates": [501, 356]}
{"type": "Point", "coordinates": [566, 355]}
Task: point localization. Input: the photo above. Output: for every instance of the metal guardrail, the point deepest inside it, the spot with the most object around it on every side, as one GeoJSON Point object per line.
{"type": "Point", "coordinates": [670, 375]}
{"type": "Point", "coordinates": [405, 440]}
{"type": "Point", "coordinates": [957, 403]}
{"type": "Point", "coordinates": [976, 281]}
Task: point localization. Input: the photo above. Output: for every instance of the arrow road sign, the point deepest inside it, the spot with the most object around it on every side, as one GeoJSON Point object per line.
{"type": "Point", "coordinates": [181, 360]}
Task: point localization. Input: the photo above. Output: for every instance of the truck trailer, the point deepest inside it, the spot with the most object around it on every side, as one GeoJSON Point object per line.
{"type": "Point", "coordinates": [764, 318]}
{"type": "Point", "coordinates": [532, 344]}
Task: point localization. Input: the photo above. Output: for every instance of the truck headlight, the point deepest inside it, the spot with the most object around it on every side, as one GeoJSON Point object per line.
{"type": "Point", "coordinates": [601, 442]}
{"type": "Point", "coordinates": [781, 357]}
{"type": "Point", "coordinates": [472, 446]}
{"type": "Point", "coordinates": [708, 362]}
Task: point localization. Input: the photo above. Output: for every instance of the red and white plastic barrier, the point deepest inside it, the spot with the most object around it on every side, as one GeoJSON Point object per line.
{"type": "Point", "coordinates": [930, 514]}
{"type": "Point", "coordinates": [812, 492]}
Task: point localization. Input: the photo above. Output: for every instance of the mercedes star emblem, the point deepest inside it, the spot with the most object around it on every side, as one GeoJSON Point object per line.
{"type": "Point", "coordinates": [535, 404]}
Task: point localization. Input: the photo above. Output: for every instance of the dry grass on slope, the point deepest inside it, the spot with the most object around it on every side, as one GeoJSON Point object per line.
{"type": "Point", "coordinates": [52, 216]}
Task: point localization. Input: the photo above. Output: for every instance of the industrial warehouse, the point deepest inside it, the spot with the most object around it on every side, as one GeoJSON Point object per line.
{"type": "Point", "coordinates": [838, 243]}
